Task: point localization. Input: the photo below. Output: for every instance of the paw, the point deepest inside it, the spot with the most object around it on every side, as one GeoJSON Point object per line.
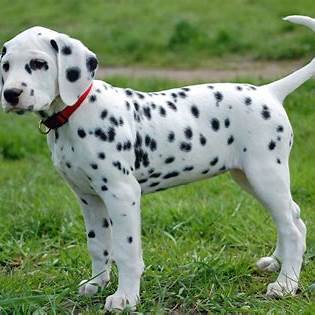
{"type": "Point", "coordinates": [277, 289]}
{"type": "Point", "coordinates": [89, 288]}
{"type": "Point", "coordinates": [119, 301]}
{"type": "Point", "coordinates": [270, 264]}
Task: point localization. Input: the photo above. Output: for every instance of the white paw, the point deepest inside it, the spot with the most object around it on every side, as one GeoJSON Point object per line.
{"type": "Point", "coordinates": [119, 301]}
{"type": "Point", "coordinates": [277, 289]}
{"type": "Point", "coordinates": [91, 287]}
{"type": "Point", "coordinates": [270, 264]}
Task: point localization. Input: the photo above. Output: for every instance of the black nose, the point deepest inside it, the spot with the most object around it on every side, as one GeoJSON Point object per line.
{"type": "Point", "coordinates": [12, 95]}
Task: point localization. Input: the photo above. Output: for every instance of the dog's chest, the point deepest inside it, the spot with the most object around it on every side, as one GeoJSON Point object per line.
{"type": "Point", "coordinates": [67, 159]}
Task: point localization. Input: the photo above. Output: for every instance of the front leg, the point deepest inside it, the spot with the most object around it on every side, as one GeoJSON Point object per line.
{"type": "Point", "coordinates": [123, 203]}
{"type": "Point", "coordinates": [98, 230]}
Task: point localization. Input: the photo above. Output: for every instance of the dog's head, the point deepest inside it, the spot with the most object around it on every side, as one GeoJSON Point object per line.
{"type": "Point", "coordinates": [40, 64]}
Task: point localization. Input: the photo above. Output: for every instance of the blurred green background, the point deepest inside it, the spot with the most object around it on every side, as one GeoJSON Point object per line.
{"type": "Point", "coordinates": [169, 32]}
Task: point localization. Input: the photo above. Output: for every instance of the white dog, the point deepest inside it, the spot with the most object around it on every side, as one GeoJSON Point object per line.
{"type": "Point", "coordinates": [113, 144]}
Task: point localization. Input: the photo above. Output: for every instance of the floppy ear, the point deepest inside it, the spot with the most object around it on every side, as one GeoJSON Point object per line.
{"type": "Point", "coordinates": [76, 67]}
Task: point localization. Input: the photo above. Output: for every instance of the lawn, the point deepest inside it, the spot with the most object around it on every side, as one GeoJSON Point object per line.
{"type": "Point", "coordinates": [200, 241]}
{"type": "Point", "coordinates": [182, 33]}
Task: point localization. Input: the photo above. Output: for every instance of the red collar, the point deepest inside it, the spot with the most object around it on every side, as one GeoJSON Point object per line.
{"type": "Point", "coordinates": [62, 117]}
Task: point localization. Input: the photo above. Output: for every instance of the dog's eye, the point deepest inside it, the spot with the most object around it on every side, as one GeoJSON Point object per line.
{"type": "Point", "coordinates": [38, 64]}
{"type": "Point", "coordinates": [6, 67]}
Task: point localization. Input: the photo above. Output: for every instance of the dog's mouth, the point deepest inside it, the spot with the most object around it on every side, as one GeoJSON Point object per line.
{"type": "Point", "coordinates": [19, 111]}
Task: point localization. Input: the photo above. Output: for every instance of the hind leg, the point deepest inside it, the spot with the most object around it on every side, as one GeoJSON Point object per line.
{"type": "Point", "coordinates": [270, 183]}
{"type": "Point", "coordinates": [268, 263]}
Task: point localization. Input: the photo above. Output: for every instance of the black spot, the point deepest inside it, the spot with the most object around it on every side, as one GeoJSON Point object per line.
{"type": "Point", "coordinates": [169, 160]}
{"type": "Point", "coordinates": [28, 68]}
{"type": "Point", "coordinates": [153, 145]}
{"type": "Point", "coordinates": [68, 164]}
{"type": "Point", "coordinates": [230, 140]}
{"type": "Point", "coordinates": [119, 146]}
{"type": "Point", "coordinates": [188, 168]}
{"type": "Point", "coordinates": [245, 150]}
{"type": "Point", "coordinates": [214, 161]}
{"type": "Point", "coordinates": [136, 105]}
{"type": "Point", "coordinates": [105, 223]}
{"type": "Point", "coordinates": [128, 92]}
{"type": "Point", "coordinates": [227, 123]}
{"type": "Point", "coordinates": [147, 112]}
{"type": "Point", "coordinates": [172, 106]}
{"type": "Point", "coordinates": [117, 164]}
{"type": "Point", "coordinates": [239, 88]}
{"type": "Point", "coordinates": [155, 175]}
{"type": "Point", "coordinates": [91, 234]}
{"type": "Point", "coordinates": [280, 128]}
{"type": "Point", "coordinates": [218, 96]}
{"type": "Point", "coordinates": [142, 181]}
{"type": "Point", "coordinates": [278, 161]}
{"type": "Point", "coordinates": [223, 168]}
{"type": "Point", "coordinates": [94, 166]}
{"type": "Point", "coordinates": [154, 184]}
{"type": "Point", "coordinates": [271, 145]}
{"type": "Point", "coordinates": [170, 175]}
{"type": "Point", "coordinates": [91, 63]}
{"type": "Point", "coordinates": [210, 87]}
{"type": "Point", "coordinates": [32, 92]}
{"type": "Point", "coordinates": [140, 95]}
{"type": "Point", "coordinates": [105, 253]}
{"type": "Point", "coordinates": [66, 50]}
{"type": "Point", "coordinates": [111, 134]}
{"type": "Point", "coordinates": [84, 201]}
{"type": "Point", "coordinates": [54, 45]}
{"type": "Point", "coordinates": [128, 105]}
{"type": "Point", "coordinates": [4, 51]}
{"type": "Point", "coordinates": [185, 89]}
{"type": "Point", "coordinates": [101, 155]}
{"type": "Point", "coordinates": [185, 146]}
{"type": "Point", "coordinates": [182, 94]}
{"type": "Point", "coordinates": [99, 133]}
{"type": "Point", "coordinates": [92, 98]}
{"type": "Point", "coordinates": [195, 111]}
{"type": "Point", "coordinates": [6, 67]}
{"type": "Point", "coordinates": [23, 84]}
{"type": "Point", "coordinates": [171, 136]}
{"type": "Point", "coordinates": [104, 188]}
{"type": "Point", "coordinates": [104, 179]}
{"type": "Point", "coordinates": [202, 139]}
{"type": "Point", "coordinates": [130, 239]}
{"type": "Point", "coordinates": [127, 145]}
{"type": "Point", "coordinates": [113, 120]}
{"type": "Point", "coordinates": [215, 124]}
{"type": "Point", "coordinates": [162, 111]}
{"type": "Point", "coordinates": [104, 114]}
{"type": "Point", "coordinates": [265, 112]}
{"type": "Point", "coordinates": [248, 101]}
{"type": "Point", "coordinates": [81, 133]}
{"type": "Point", "coordinates": [73, 74]}
{"type": "Point", "coordinates": [188, 133]}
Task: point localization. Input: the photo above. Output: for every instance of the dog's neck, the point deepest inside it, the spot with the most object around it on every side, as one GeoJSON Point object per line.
{"type": "Point", "coordinates": [56, 106]}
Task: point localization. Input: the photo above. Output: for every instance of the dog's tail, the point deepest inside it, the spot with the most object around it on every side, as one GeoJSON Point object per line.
{"type": "Point", "coordinates": [282, 88]}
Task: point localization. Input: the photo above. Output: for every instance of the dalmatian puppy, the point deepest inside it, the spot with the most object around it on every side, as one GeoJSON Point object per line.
{"type": "Point", "coordinates": [113, 144]}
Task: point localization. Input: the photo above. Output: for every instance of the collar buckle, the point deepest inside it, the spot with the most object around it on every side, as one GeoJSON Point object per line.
{"type": "Point", "coordinates": [43, 129]}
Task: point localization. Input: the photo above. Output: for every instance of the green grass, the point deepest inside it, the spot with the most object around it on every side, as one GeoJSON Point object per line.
{"type": "Point", "coordinates": [200, 241]}
{"type": "Point", "coordinates": [169, 33]}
